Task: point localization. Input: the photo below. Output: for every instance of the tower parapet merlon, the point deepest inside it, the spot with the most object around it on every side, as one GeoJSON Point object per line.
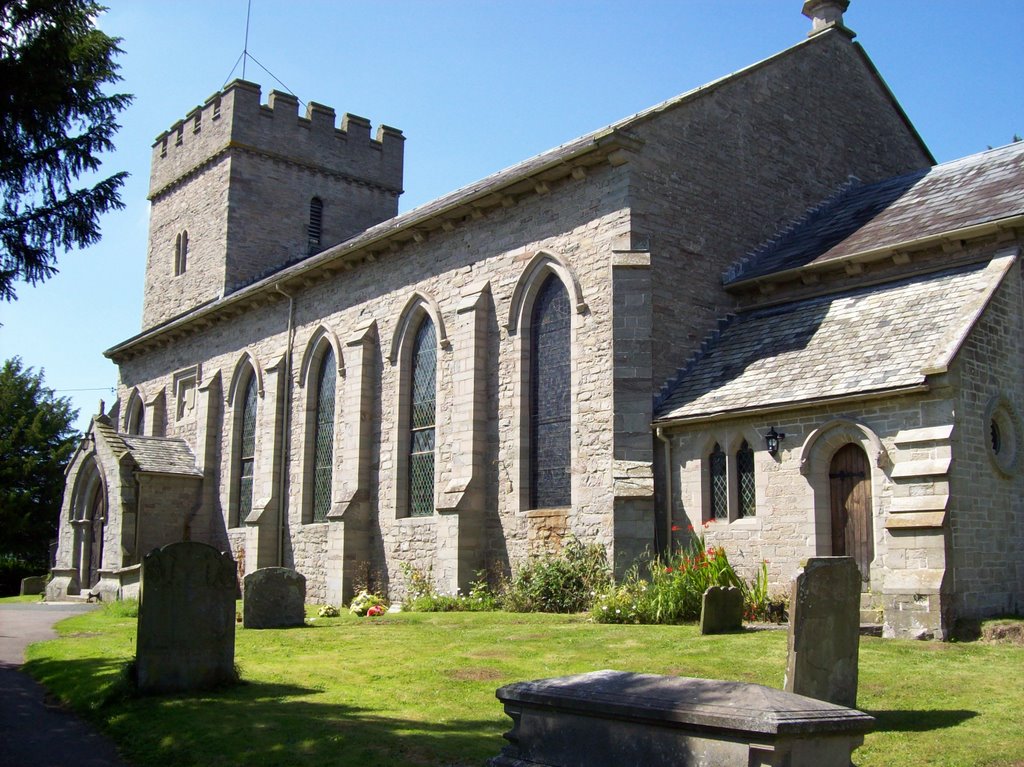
{"type": "Point", "coordinates": [235, 117]}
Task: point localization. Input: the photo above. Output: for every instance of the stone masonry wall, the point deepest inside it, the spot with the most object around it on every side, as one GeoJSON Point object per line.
{"type": "Point", "coordinates": [580, 221]}
{"type": "Point", "coordinates": [722, 174]}
{"type": "Point", "coordinates": [792, 519]}
{"type": "Point", "coordinates": [986, 515]}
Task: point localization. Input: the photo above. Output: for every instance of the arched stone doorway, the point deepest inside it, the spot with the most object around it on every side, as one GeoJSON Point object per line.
{"type": "Point", "coordinates": [89, 520]}
{"type": "Point", "coordinates": [850, 506]}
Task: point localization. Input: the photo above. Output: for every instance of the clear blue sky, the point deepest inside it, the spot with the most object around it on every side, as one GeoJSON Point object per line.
{"type": "Point", "coordinates": [477, 85]}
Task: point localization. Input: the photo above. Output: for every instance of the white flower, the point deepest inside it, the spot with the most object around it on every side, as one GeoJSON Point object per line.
{"type": "Point", "coordinates": [618, 612]}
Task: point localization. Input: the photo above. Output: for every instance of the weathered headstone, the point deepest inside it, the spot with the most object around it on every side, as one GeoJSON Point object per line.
{"type": "Point", "coordinates": [32, 585]}
{"type": "Point", "coordinates": [614, 718]}
{"type": "Point", "coordinates": [273, 597]}
{"type": "Point", "coordinates": [824, 631]}
{"type": "Point", "coordinates": [721, 610]}
{"type": "Point", "coordinates": [186, 637]}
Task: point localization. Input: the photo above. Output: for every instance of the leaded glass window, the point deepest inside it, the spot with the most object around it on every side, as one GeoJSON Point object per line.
{"type": "Point", "coordinates": [247, 450]}
{"type": "Point", "coordinates": [422, 420]}
{"type": "Point", "coordinates": [719, 484]}
{"type": "Point", "coordinates": [745, 473]}
{"type": "Point", "coordinates": [550, 414]}
{"type": "Point", "coordinates": [323, 459]}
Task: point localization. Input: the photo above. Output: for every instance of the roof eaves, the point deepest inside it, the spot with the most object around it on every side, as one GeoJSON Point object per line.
{"type": "Point", "coordinates": [888, 250]}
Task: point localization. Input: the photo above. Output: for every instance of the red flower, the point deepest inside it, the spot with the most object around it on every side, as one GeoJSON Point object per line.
{"type": "Point", "coordinates": [675, 528]}
{"type": "Point", "coordinates": [689, 528]}
{"type": "Point", "coordinates": [668, 569]}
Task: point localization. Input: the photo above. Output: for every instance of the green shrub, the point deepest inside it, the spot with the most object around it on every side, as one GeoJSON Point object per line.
{"type": "Point", "coordinates": [758, 602]}
{"type": "Point", "coordinates": [424, 598]}
{"type": "Point", "coordinates": [12, 570]}
{"type": "Point", "coordinates": [672, 590]}
{"type": "Point", "coordinates": [567, 583]}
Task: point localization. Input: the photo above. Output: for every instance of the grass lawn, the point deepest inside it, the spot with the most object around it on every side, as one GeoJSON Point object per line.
{"type": "Point", "coordinates": [418, 688]}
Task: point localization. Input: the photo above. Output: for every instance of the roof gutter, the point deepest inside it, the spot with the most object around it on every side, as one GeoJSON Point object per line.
{"type": "Point", "coordinates": [841, 399]}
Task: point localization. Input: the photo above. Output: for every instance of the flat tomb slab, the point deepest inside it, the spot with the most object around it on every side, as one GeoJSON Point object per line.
{"type": "Point", "coordinates": [607, 718]}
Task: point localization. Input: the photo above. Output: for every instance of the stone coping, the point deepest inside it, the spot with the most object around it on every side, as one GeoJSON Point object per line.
{"type": "Point", "coordinates": [737, 707]}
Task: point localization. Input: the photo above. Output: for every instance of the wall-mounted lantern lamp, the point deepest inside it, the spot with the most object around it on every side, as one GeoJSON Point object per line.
{"type": "Point", "coordinates": [772, 440]}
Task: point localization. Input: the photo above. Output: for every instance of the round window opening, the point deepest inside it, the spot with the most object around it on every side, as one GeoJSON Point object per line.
{"type": "Point", "coordinates": [1003, 437]}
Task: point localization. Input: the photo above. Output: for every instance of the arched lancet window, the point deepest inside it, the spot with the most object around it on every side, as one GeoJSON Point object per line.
{"type": "Point", "coordinates": [314, 230]}
{"type": "Point", "coordinates": [719, 483]}
{"type": "Point", "coordinates": [550, 401]}
{"type": "Point", "coordinates": [422, 420]}
{"type": "Point", "coordinates": [323, 450]}
{"type": "Point", "coordinates": [246, 448]}
{"type": "Point", "coordinates": [136, 421]}
{"type": "Point", "coordinates": [181, 253]}
{"type": "Point", "coordinates": [745, 475]}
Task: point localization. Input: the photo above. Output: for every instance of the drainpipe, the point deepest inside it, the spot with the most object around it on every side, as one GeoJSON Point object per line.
{"type": "Point", "coordinates": [136, 555]}
{"type": "Point", "coordinates": [659, 432]}
{"type": "Point", "coordinates": [282, 504]}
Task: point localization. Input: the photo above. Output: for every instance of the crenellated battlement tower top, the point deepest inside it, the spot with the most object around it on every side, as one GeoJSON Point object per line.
{"type": "Point", "coordinates": [240, 188]}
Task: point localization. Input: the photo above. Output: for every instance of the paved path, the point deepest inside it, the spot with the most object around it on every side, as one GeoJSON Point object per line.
{"type": "Point", "coordinates": [34, 732]}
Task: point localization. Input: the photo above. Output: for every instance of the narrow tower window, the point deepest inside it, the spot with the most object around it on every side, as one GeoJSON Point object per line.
{"type": "Point", "coordinates": [181, 253]}
{"type": "Point", "coordinates": [315, 228]}
{"type": "Point", "coordinates": [422, 419]}
{"type": "Point", "coordinates": [323, 462]}
{"type": "Point", "coordinates": [550, 415]}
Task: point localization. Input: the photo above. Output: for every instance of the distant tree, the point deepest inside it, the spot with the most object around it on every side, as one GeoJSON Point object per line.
{"type": "Point", "coordinates": [55, 121]}
{"type": "Point", "coordinates": [36, 440]}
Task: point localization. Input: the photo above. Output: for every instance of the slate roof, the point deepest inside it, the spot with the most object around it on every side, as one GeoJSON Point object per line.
{"type": "Point", "coordinates": [973, 190]}
{"type": "Point", "coordinates": [162, 455]}
{"type": "Point", "coordinates": [872, 339]}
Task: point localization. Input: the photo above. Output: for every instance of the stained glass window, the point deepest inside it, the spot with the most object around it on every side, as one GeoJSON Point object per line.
{"type": "Point", "coordinates": [422, 420]}
{"type": "Point", "coordinates": [719, 484]}
{"type": "Point", "coordinates": [550, 444]}
{"type": "Point", "coordinates": [323, 460]}
{"type": "Point", "coordinates": [745, 473]}
{"type": "Point", "coordinates": [247, 450]}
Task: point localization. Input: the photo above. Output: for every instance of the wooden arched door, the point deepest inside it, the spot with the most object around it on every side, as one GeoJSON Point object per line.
{"type": "Point", "coordinates": [850, 500]}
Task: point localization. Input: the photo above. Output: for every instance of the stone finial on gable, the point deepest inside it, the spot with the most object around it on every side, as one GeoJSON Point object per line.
{"type": "Point", "coordinates": [825, 14]}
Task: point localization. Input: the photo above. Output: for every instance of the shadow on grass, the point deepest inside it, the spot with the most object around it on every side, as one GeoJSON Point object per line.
{"type": "Point", "coordinates": [910, 720]}
{"type": "Point", "coordinates": [260, 723]}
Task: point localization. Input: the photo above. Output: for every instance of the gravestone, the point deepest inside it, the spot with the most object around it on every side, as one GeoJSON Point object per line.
{"type": "Point", "coordinates": [274, 597]}
{"type": "Point", "coordinates": [615, 718]}
{"type": "Point", "coordinates": [721, 610]}
{"type": "Point", "coordinates": [186, 636]}
{"type": "Point", "coordinates": [824, 630]}
{"type": "Point", "coordinates": [32, 585]}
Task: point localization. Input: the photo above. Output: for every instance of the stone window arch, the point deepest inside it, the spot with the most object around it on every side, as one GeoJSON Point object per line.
{"type": "Point", "coordinates": [320, 375]}
{"type": "Point", "coordinates": [244, 395]}
{"type": "Point", "coordinates": [544, 315]}
{"type": "Point", "coordinates": [550, 447]}
{"type": "Point", "coordinates": [718, 488]}
{"type": "Point", "coordinates": [416, 350]}
{"type": "Point", "coordinates": [746, 486]}
{"type": "Point", "coordinates": [181, 252]}
{"type": "Point", "coordinates": [135, 414]}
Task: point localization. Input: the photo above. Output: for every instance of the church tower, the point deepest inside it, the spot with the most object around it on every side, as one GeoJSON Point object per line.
{"type": "Point", "coordinates": [239, 189]}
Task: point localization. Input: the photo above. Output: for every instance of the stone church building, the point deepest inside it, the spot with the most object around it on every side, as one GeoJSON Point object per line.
{"type": "Point", "coordinates": [757, 310]}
